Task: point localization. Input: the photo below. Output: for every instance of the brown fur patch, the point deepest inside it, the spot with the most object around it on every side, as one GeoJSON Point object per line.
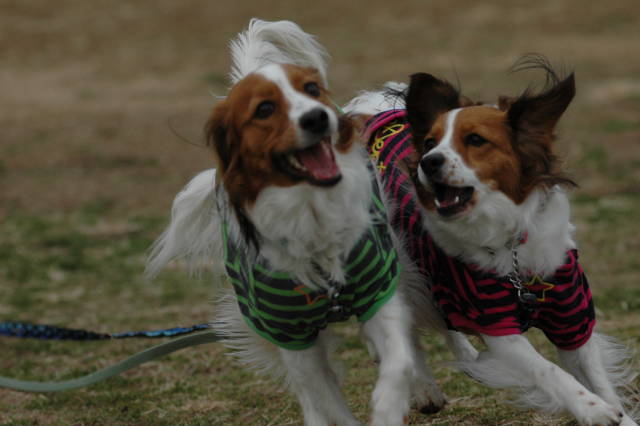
{"type": "Point", "coordinates": [519, 154]}
{"type": "Point", "coordinates": [245, 146]}
{"type": "Point", "coordinates": [494, 162]}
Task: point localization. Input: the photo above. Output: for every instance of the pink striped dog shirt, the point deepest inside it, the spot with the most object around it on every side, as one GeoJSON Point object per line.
{"type": "Point", "coordinates": [470, 299]}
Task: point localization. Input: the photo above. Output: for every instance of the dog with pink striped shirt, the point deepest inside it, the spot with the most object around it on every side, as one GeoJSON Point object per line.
{"type": "Point", "coordinates": [482, 203]}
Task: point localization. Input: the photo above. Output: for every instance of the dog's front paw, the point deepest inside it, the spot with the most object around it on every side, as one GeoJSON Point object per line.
{"type": "Point", "coordinates": [427, 398]}
{"type": "Point", "coordinates": [391, 417]}
{"type": "Point", "coordinates": [378, 420]}
{"type": "Point", "coordinates": [593, 411]}
{"type": "Point", "coordinates": [390, 408]}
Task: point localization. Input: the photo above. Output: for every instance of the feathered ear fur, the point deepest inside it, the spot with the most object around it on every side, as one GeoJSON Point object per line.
{"type": "Point", "coordinates": [427, 98]}
{"type": "Point", "coordinates": [540, 113]}
{"type": "Point", "coordinates": [346, 132]}
{"type": "Point", "coordinates": [533, 118]}
{"type": "Point", "coordinates": [220, 136]}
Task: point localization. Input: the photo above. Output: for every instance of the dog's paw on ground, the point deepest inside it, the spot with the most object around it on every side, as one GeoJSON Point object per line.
{"type": "Point", "coordinates": [592, 412]}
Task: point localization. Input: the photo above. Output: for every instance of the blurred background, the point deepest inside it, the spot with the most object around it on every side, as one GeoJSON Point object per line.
{"type": "Point", "coordinates": [102, 106]}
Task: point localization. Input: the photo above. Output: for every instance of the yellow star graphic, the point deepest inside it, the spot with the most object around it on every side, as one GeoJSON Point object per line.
{"type": "Point", "coordinates": [537, 281]}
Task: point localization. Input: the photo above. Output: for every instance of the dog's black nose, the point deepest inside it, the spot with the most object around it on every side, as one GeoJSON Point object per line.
{"type": "Point", "coordinates": [432, 163]}
{"type": "Point", "coordinates": [315, 121]}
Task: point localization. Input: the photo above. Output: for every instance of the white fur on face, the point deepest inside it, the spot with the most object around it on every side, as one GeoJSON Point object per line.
{"type": "Point", "coordinates": [299, 104]}
{"type": "Point", "coordinates": [454, 169]}
{"type": "Point", "coordinates": [303, 221]}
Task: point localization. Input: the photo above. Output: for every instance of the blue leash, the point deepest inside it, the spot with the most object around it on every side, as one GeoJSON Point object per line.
{"type": "Point", "coordinates": [183, 339]}
{"type": "Point", "coordinates": [50, 332]}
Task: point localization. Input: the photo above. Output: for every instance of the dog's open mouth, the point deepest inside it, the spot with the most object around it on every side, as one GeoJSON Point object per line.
{"type": "Point", "coordinates": [316, 164]}
{"type": "Point", "coordinates": [451, 200]}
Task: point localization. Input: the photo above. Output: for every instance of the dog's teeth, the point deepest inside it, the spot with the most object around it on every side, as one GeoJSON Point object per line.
{"type": "Point", "coordinates": [437, 202]}
{"type": "Point", "coordinates": [294, 162]}
{"type": "Point", "coordinates": [457, 200]}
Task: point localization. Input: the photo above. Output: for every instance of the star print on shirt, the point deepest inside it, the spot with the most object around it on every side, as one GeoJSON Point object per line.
{"type": "Point", "coordinates": [538, 286]}
{"type": "Point", "coordinates": [304, 290]}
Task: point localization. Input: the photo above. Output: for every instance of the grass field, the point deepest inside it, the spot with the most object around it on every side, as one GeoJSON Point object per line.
{"type": "Point", "coordinates": [92, 95]}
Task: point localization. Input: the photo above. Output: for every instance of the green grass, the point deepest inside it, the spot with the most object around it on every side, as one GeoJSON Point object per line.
{"type": "Point", "coordinates": [84, 271]}
{"type": "Point", "coordinates": [620, 126]}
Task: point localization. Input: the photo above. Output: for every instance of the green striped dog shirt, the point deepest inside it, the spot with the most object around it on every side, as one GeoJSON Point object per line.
{"type": "Point", "coordinates": [288, 313]}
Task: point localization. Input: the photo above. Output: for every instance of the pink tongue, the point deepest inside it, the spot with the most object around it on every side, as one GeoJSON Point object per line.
{"type": "Point", "coordinates": [319, 161]}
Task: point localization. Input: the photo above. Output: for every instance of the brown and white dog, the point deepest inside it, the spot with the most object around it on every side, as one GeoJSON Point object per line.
{"type": "Point", "coordinates": [290, 201]}
{"type": "Point", "coordinates": [482, 200]}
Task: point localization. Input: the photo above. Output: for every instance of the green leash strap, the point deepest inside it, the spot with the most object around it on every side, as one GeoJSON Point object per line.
{"type": "Point", "coordinates": [124, 365]}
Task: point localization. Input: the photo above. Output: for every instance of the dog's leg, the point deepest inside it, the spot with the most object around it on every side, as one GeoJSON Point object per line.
{"type": "Point", "coordinates": [426, 395]}
{"type": "Point", "coordinates": [462, 349]}
{"type": "Point", "coordinates": [586, 363]}
{"type": "Point", "coordinates": [516, 353]}
{"type": "Point", "coordinates": [389, 333]}
{"type": "Point", "coordinates": [315, 384]}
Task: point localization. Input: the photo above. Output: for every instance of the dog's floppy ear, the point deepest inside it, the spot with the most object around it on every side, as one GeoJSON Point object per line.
{"type": "Point", "coordinates": [540, 113]}
{"type": "Point", "coordinates": [218, 135]}
{"type": "Point", "coordinates": [427, 98]}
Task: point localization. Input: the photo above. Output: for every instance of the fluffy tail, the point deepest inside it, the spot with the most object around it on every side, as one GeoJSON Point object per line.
{"type": "Point", "coordinates": [193, 233]}
{"type": "Point", "coordinates": [282, 42]}
{"type": "Point", "coordinates": [617, 359]}
{"type": "Point", "coordinates": [391, 96]}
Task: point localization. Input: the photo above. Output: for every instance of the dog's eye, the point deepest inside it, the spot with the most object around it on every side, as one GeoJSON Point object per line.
{"type": "Point", "coordinates": [265, 110]}
{"type": "Point", "coordinates": [312, 89]}
{"type": "Point", "coordinates": [428, 144]}
{"type": "Point", "coordinates": [474, 139]}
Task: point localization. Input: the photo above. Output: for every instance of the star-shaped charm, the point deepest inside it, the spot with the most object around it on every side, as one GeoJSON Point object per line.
{"type": "Point", "coordinates": [537, 285]}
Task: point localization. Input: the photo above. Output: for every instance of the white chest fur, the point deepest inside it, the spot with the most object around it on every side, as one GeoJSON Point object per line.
{"type": "Point", "coordinates": [485, 236]}
{"type": "Point", "coordinates": [305, 225]}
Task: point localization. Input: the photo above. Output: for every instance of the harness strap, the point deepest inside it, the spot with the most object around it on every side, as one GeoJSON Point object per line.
{"type": "Point", "coordinates": [122, 366]}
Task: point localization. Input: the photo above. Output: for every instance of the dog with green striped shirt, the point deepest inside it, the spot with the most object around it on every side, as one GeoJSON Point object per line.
{"type": "Point", "coordinates": [295, 213]}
